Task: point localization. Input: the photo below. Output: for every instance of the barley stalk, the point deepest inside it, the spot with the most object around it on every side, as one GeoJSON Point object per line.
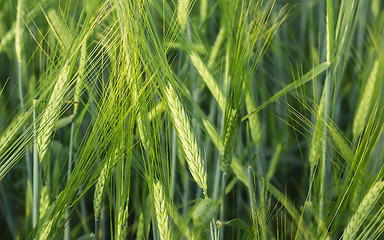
{"type": "Point", "coordinates": [363, 211]}
{"type": "Point", "coordinates": [366, 101]}
{"type": "Point", "coordinates": [161, 213]}
{"type": "Point", "coordinates": [51, 113]}
{"type": "Point", "coordinates": [187, 138]}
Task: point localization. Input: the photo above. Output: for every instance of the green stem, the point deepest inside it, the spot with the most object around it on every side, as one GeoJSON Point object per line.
{"type": "Point", "coordinates": [327, 102]}
{"type": "Point", "coordinates": [96, 230]}
{"type": "Point", "coordinates": [222, 216]}
{"type": "Point", "coordinates": [67, 230]}
{"type": "Point", "coordinates": [35, 188]}
{"type": "Point", "coordinates": [174, 160]}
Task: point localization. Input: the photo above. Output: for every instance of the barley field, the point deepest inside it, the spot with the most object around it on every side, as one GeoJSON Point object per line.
{"type": "Point", "coordinates": [191, 119]}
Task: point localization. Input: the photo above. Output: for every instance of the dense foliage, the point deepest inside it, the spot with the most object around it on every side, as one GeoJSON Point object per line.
{"type": "Point", "coordinates": [191, 119]}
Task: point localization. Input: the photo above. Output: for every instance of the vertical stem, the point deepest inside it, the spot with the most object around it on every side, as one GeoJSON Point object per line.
{"type": "Point", "coordinates": [35, 188]}
{"type": "Point", "coordinates": [252, 200]}
{"type": "Point", "coordinates": [173, 156]}
{"type": "Point", "coordinates": [327, 102]}
{"type": "Point", "coordinates": [67, 230]}
{"type": "Point", "coordinates": [18, 49]}
{"type": "Point", "coordinates": [96, 229]}
{"type": "Point", "coordinates": [222, 216]}
{"type": "Point", "coordinates": [20, 63]}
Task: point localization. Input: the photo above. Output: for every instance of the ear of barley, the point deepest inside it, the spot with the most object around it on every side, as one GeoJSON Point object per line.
{"type": "Point", "coordinates": [187, 138]}
{"type": "Point", "coordinates": [316, 142]}
{"type": "Point", "coordinates": [100, 185]}
{"type": "Point", "coordinates": [80, 78]}
{"type": "Point", "coordinates": [140, 228]}
{"type": "Point", "coordinates": [99, 192]}
{"type": "Point", "coordinates": [141, 119]}
{"type": "Point", "coordinates": [363, 211]}
{"type": "Point", "coordinates": [254, 122]}
{"type": "Point", "coordinates": [44, 201]}
{"type": "Point", "coordinates": [182, 13]}
{"type": "Point", "coordinates": [161, 212]}
{"type": "Point", "coordinates": [363, 110]}
{"type": "Point", "coordinates": [46, 229]}
{"type": "Point", "coordinates": [121, 233]}
{"type": "Point", "coordinates": [228, 134]}
{"type": "Point", "coordinates": [13, 129]}
{"type": "Point", "coordinates": [51, 113]}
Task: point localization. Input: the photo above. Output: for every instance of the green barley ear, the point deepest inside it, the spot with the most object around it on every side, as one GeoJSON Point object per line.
{"type": "Point", "coordinates": [161, 213]}
{"type": "Point", "coordinates": [100, 185]}
{"type": "Point", "coordinates": [51, 113]}
{"type": "Point", "coordinates": [99, 192]}
{"type": "Point", "coordinates": [187, 138]}
{"type": "Point", "coordinates": [231, 125]}
{"type": "Point", "coordinates": [140, 228]}
{"type": "Point", "coordinates": [46, 229]}
{"type": "Point", "coordinates": [183, 12]}
{"type": "Point", "coordinates": [316, 141]}
{"type": "Point", "coordinates": [80, 78]}
{"type": "Point", "coordinates": [204, 212]}
{"type": "Point", "coordinates": [44, 201]}
{"type": "Point", "coordinates": [122, 233]}
{"type": "Point", "coordinates": [363, 211]}
{"type": "Point", "coordinates": [254, 121]}
{"type": "Point", "coordinates": [365, 104]}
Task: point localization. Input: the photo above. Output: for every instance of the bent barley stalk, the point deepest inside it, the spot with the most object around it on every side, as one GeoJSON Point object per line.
{"type": "Point", "coordinates": [187, 138]}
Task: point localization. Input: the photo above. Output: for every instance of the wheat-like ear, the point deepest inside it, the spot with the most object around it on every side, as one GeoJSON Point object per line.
{"type": "Point", "coordinates": [363, 110]}
{"type": "Point", "coordinates": [363, 210]}
{"type": "Point", "coordinates": [161, 212]}
{"type": "Point", "coordinates": [121, 233]}
{"type": "Point", "coordinates": [229, 131]}
{"type": "Point", "coordinates": [99, 191]}
{"type": "Point", "coordinates": [315, 150]}
{"type": "Point", "coordinates": [51, 113]}
{"type": "Point", "coordinates": [187, 138]}
{"type": "Point", "coordinates": [183, 12]}
{"type": "Point", "coordinates": [100, 185]}
{"type": "Point", "coordinates": [81, 78]}
{"type": "Point", "coordinates": [46, 230]}
{"type": "Point", "coordinates": [44, 201]}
